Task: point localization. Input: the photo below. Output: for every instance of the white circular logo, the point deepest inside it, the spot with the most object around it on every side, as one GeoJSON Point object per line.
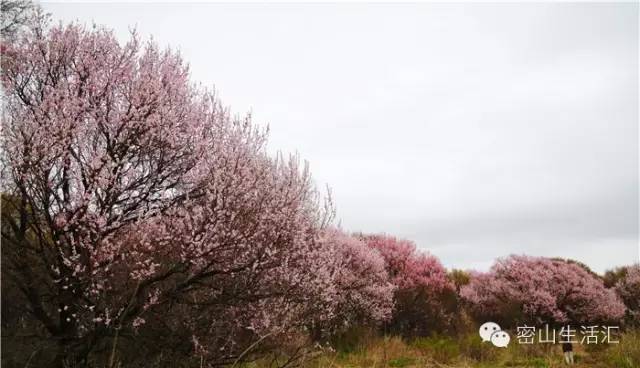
{"type": "Point", "coordinates": [487, 329]}
{"type": "Point", "coordinates": [500, 339]}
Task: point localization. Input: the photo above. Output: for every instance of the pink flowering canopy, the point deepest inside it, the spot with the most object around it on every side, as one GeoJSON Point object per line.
{"type": "Point", "coordinates": [136, 201]}
{"type": "Point", "coordinates": [538, 290]}
{"type": "Point", "coordinates": [628, 288]}
{"type": "Point", "coordinates": [363, 293]}
{"type": "Point", "coordinates": [407, 266]}
{"type": "Point", "coordinates": [424, 294]}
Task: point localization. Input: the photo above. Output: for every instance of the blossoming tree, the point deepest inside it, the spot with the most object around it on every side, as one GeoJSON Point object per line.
{"type": "Point", "coordinates": [424, 295]}
{"type": "Point", "coordinates": [628, 288]}
{"type": "Point", "coordinates": [362, 293]}
{"type": "Point", "coordinates": [135, 203]}
{"type": "Point", "coordinates": [536, 290]}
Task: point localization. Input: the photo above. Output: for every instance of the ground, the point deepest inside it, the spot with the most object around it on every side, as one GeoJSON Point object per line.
{"type": "Point", "coordinates": [470, 352]}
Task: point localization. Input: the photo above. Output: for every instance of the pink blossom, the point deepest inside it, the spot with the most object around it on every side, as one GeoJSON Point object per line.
{"type": "Point", "coordinates": [149, 197]}
{"type": "Point", "coordinates": [362, 290]}
{"type": "Point", "coordinates": [537, 290]}
{"type": "Point", "coordinates": [628, 288]}
{"type": "Point", "coordinates": [422, 288]}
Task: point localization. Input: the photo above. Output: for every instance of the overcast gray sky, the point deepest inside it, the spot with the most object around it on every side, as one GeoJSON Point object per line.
{"type": "Point", "coordinates": [476, 130]}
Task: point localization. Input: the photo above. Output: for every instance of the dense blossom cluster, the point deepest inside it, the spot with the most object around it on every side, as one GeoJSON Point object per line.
{"type": "Point", "coordinates": [363, 292]}
{"type": "Point", "coordinates": [628, 287]}
{"type": "Point", "coordinates": [408, 267]}
{"type": "Point", "coordinates": [538, 290]}
{"type": "Point", "coordinates": [424, 295]}
{"type": "Point", "coordinates": [132, 196]}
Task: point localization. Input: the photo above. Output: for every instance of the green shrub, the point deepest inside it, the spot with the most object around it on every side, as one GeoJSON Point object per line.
{"type": "Point", "coordinates": [538, 363]}
{"type": "Point", "coordinates": [440, 348]}
{"type": "Point", "coordinates": [401, 362]}
{"type": "Point", "coordinates": [625, 354]}
{"type": "Point", "coordinates": [348, 341]}
{"type": "Point", "coordinates": [472, 347]}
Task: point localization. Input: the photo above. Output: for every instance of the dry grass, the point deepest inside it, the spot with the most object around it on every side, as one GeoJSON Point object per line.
{"type": "Point", "coordinates": [469, 352]}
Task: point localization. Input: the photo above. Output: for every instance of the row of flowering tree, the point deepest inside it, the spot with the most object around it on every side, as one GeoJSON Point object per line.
{"type": "Point", "coordinates": [141, 222]}
{"type": "Point", "coordinates": [135, 205]}
{"type": "Point", "coordinates": [136, 209]}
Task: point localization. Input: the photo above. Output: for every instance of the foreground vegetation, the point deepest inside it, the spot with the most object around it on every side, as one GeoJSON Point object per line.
{"type": "Point", "coordinates": [467, 351]}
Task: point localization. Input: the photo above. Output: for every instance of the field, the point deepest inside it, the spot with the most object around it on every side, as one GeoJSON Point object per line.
{"type": "Point", "coordinates": [468, 352]}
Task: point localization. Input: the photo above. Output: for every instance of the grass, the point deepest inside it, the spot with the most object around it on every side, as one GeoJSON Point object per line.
{"type": "Point", "coordinates": [367, 350]}
{"type": "Point", "coordinates": [469, 352]}
{"type": "Point", "coordinates": [627, 353]}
